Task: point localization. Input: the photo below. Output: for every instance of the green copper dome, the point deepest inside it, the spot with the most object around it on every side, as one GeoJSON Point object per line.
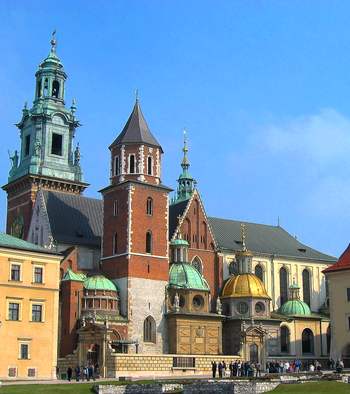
{"type": "Point", "coordinates": [99, 282]}
{"type": "Point", "coordinates": [179, 241]}
{"type": "Point", "coordinates": [184, 275]}
{"type": "Point", "coordinates": [294, 307]}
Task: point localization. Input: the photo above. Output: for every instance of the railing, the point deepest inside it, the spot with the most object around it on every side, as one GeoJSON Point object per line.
{"type": "Point", "coordinates": [184, 362]}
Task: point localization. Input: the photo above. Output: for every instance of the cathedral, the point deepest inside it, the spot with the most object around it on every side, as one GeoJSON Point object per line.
{"type": "Point", "coordinates": [147, 273]}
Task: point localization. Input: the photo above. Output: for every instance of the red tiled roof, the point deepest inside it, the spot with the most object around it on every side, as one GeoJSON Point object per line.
{"type": "Point", "coordinates": [342, 264]}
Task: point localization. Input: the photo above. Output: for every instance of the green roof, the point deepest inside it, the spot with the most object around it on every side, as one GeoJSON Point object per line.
{"type": "Point", "coordinates": [99, 282]}
{"type": "Point", "coordinates": [294, 307]}
{"type": "Point", "coordinates": [184, 275]}
{"type": "Point", "coordinates": [9, 241]}
{"type": "Point", "coordinates": [179, 241]}
{"type": "Point", "coordinates": [70, 275]}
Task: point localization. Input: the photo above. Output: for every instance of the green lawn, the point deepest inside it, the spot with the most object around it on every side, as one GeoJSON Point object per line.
{"type": "Point", "coordinates": [86, 388]}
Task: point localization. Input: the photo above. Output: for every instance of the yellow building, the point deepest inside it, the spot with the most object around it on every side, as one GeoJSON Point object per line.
{"type": "Point", "coordinates": [29, 292]}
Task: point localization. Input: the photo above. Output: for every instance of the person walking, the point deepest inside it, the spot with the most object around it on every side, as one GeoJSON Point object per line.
{"type": "Point", "coordinates": [213, 368]}
{"type": "Point", "coordinates": [77, 373]}
{"type": "Point", "coordinates": [258, 369]}
{"type": "Point", "coordinates": [69, 373]}
{"type": "Point", "coordinates": [85, 373]}
{"type": "Point", "coordinates": [220, 369]}
{"type": "Point", "coordinates": [91, 372]}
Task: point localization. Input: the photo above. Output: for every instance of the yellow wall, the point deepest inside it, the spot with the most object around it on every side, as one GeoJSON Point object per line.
{"type": "Point", "coordinates": [339, 281]}
{"type": "Point", "coordinates": [40, 336]}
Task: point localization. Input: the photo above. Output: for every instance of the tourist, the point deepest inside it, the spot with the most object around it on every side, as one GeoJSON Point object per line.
{"type": "Point", "coordinates": [235, 368]}
{"type": "Point", "coordinates": [69, 373]}
{"type": "Point", "coordinates": [91, 372]}
{"type": "Point", "coordinates": [231, 366]}
{"type": "Point", "coordinates": [297, 366]}
{"type": "Point", "coordinates": [312, 368]}
{"type": "Point", "coordinates": [258, 369]}
{"type": "Point", "coordinates": [85, 373]}
{"type": "Point", "coordinates": [239, 367]}
{"type": "Point", "coordinates": [224, 368]}
{"type": "Point", "coordinates": [286, 366]}
{"type": "Point", "coordinates": [213, 368]}
{"type": "Point", "coordinates": [77, 373]}
{"type": "Point", "coordinates": [268, 367]}
{"type": "Point", "coordinates": [220, 369]}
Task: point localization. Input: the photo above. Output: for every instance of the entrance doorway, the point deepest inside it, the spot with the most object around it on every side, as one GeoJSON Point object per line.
{"type": "Point", "coordinates": [254, 356]}
{"type": "Point", "coordinates": [93, 355]}
{"type": "Point", "coordinates": [307, 341]}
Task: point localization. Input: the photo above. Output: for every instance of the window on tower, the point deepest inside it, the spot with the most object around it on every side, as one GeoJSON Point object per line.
{"type": "Point", "coordinates": [55, 89]}
{"type": "Point", "coordinates": [115, 207]}
{"type": "Point", "coordinates": [149, 330]}
{"type": "Point", "coordinates": [149, 241]}
{"type": "Point", "coordinates": [149, 165]}
{"type": "Point", "coordinates": [116, 165]}
{"type": "Point", "coordinates": [27, 145]}
{"type": "Point", "coordinates": [115, 243]}
{"type": "Point", "coordinates": [56, 145]}
{"type": "Point", "coordinates": [132, 164]}
{"type": "Point", "coordinates": [149, 206]}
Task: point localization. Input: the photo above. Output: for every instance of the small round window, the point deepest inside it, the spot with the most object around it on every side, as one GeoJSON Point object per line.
{"type": "Point", "coordinates": [242, 308]}
{"type": "Point", "coordinates": [259, 307]}
{"type": "Point", "coordinates": [197, 302]}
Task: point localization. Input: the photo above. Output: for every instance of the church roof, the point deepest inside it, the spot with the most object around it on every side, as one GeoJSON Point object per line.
{"type": "Point", "coordinates": [99, 282]}
{"type": "Point", "coordinates": [294, 307]}
{"type": "Point", "coordinates": [342, 264]}
{"type": "Point", "coordinates": [136, 130]}
{"type": "Point", "coordinates": [185, 276]}
{"type": "Point", "coordinates": [244, 285]}
{"type": "Point", "coordinates": [74, 219]}
{"type": "Point", "coordinates": [8, 241]}
{"type": "Point", "coordinates": [262, 238]}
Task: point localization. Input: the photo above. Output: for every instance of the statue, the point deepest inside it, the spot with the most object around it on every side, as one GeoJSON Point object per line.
{"type": "Point", "coordinates": [218, 306]}
{"type": "Point", "coordinates": [177, 302]}
{"type": "Point", "coordinates": [77, 155]}
{"type": "Point", "coordinates": [14, 158]}
{"type": "Point", "coordinates": [37, 148]}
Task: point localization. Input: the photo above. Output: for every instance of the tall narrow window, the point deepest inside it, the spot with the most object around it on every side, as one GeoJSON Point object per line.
{"type": "Point", "coordinates": [259, 272]}
{"type": "Point", "coordinates": [132, 164]}
{"type": "Point", "coordinates": [149, 165]}
{"type": "Point", "coordinates": [149, 330]}
{"type": "Point", "coordinates": [13, 311]}
{"type": "Point", "coordinates": [37, 313]}
{"type": "Point", "coordinates": [38, 275]}
{"type": "Point", "coordinates": [55, 89]}
{"type": "Point", "coordinates": [283, 286]}
{"type": "Point", "coordinates": [56, 145]}
{"type": "Point", "coordinates": [149, 241]}
{"type": "Point", "coordinates": [27, 145]}
{"type": "Point", "coordinates": [15, 272]}
{"type": "Point", "coordinates": [115, 243]}
{"type": "Point", "coordinates": [197, 264]}
{"type": "Point", "coordinates": [24, 351]}
{"type": "Point", "coordinates": [116, 165]}
{"type": "Point", "coordinates": [149, 206]}
{"type": "Point", "coordinates": [306, 287]}
{"type": "Point", "coordinates": [284, 339]}
{"type": "Point", "coordinates": [115, 207]}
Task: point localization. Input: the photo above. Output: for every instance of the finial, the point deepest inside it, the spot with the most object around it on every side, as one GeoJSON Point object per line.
{"type": "Point", "coordinates": [39, 64]}
{"type": "Point", "coordinates": [243, 236]}
{"type": "Point", "coordinates": [137, 94]}
{"type": "Point", "coordinates": [73, 107]}
{"type": "Point", "coordinates": [278, 221]}
{"type": "Point", "coordinates": [25, 104]}
{"type": "Point", "coordinates": [53, 41]}
{"type": "Point", "coordinates": [185, 149]}
{"type": "Point", "coordinates": [41, 93]}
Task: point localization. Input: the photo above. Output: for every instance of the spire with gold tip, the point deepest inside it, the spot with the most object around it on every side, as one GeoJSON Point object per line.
{"type": "Point", "coordinates": [185, 187]}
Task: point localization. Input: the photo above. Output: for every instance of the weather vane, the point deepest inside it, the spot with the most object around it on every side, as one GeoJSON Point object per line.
{"type": "Point", "coordinates": [137, 94]}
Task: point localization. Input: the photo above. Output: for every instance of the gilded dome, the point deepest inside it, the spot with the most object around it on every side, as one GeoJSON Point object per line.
{"type": "Point", "coordinates": [244, 285]}
{"type": "Point", "coordinates": [294, 307]}
{"type": "Point", "coordinates": [185, 276]}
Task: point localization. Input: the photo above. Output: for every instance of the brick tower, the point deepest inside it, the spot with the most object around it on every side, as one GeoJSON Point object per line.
{"type": "Point", "coordinates": [46, 157]}
{"type": "Point", "coordinates": [135, 233]}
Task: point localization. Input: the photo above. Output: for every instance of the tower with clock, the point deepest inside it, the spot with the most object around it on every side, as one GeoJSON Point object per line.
{"type": "Point", "coordinates": [47, 157]}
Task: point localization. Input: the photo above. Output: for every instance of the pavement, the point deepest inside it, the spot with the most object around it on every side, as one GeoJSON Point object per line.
{"type": "Point", "coordinates": [134, 378]}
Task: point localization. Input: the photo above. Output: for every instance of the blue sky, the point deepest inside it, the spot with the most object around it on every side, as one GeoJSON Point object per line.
{"type": "Point", "coordinates": [262, 88]}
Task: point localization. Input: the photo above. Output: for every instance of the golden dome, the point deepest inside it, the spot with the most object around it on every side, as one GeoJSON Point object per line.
{"type": "Point", "coordinates": [244, 285]}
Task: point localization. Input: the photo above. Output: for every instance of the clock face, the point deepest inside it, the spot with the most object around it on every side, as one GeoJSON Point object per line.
{"type": "Point", "coordinates": [17, 226]}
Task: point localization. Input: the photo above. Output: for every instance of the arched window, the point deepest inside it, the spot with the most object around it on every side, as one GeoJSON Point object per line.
{"type": "Point", "coordinates": [259, 272]}
{"type": "Point", "coordinates": [116, 165]}
{"type": "Point", "coordinates": [132, 164]}
{"type": "Point", "coordinates": [283, 286]}
{"type": "Point", "coordinates": [55, 89]}
{"type": "Point", "coordinates": [149, 206]}
{"type": "Point", "coordinates": [149, 241]}
{"type": "Point", "coordinates": [284, 339]}
{"type": "Point", "coordinates": [307, 341]}
{"type": "Point", "coordinates": [204, 235]}
{"type": "Point", "coordinates": [306, 286]}
{"type": "Point", "coordinates": [149, 330]}
{"type": "Point", "coordinates": [115, 207]}
{"type": "Point", "coordinates": [187, 231]}
{"type": "Point", "coordinates": [233, 268]}
{"type": "Point", "coordinates": [115, 243]}
{"type": "Point", "coordinates": [149, 165]}
{"type": "Point", "coordinates": [197, 263]}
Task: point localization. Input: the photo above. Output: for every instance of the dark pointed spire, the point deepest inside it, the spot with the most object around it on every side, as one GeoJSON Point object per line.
{"type": "Point", "coordinates": [136, 130]}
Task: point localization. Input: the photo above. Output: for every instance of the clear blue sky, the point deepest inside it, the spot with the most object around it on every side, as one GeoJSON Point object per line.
{"type": "Point", "coordinates": [262, 88]}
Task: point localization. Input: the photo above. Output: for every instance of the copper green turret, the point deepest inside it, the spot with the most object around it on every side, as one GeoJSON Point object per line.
{"type": "Point", "coordinates": [185, 181]}
{"type": "Point", "coordinates": [48, 128]}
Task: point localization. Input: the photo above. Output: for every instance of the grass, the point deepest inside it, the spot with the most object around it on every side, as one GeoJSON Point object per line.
{"type": "Point", "coordinates": [313, 388]}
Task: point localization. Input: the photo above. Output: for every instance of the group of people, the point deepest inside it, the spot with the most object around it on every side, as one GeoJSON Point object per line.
{"type": "Point", "coordinates": [236, 368]}
{"type": "Point", "coordinates": [276, 366]}
{"type": "Point", "coordinates": [85, 372]}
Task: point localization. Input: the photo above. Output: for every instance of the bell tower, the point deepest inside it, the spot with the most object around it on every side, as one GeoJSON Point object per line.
{"type": "Point", "coordinates": [46, 156]}
{"type": "Point", "coordinates": [135, 232]}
